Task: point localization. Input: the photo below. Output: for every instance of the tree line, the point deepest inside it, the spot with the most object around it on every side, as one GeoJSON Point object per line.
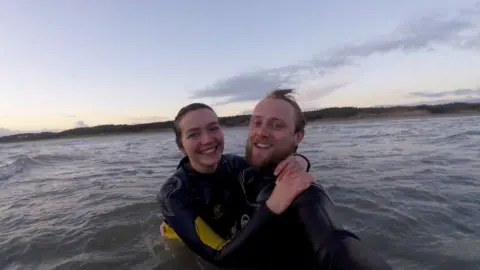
{"type": "Point", "coordinates": [242, 120]}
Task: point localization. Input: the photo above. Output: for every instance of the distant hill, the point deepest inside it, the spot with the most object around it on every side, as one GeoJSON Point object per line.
{"type": "Point", "coordinates": [335, 113]}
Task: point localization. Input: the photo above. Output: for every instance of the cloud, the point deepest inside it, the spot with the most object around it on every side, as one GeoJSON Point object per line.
{"type": "Point", "coordinates": [312, 92]}
{"type": "Point", "coordinates": [253, 86]}
{"type": "Point", "coordinates": [80, 124]}
{"type": "Point", "coordinates": [456, 92]}
{"type": "Point", "coordinates": [424, 33]}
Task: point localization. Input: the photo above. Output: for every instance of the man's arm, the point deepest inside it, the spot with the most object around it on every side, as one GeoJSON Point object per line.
{"type": "Point", "coordinates": [335, 247]}
{"type": "Point", "coordinates": [178, 211]}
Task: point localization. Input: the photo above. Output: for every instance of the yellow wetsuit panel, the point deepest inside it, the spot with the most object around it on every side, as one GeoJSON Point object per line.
{"type": "Point", "coordinates": [204, 232]}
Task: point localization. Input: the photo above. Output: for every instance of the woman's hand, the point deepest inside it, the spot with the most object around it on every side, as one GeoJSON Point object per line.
{"type": "Point", "coordinates": [163, 230]}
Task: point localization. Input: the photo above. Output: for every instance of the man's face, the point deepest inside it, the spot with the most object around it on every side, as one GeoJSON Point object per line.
{"type": "Point", "coordinates": [271, 135]}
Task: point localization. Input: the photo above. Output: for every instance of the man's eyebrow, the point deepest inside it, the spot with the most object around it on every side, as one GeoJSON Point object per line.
{"type": "Point", "coordinates": [212, 123]}
{"type": "Point", "coordinates": [269, 118]}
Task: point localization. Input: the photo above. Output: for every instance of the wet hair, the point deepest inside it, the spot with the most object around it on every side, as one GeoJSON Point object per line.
{"type": "Point", "coordinates": [287, 95]}
{"type": "Point", "coordinates": [181, 113]}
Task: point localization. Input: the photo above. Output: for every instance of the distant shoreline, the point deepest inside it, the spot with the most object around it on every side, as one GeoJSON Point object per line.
{"type": "Point", "coordinates": [328, 115]}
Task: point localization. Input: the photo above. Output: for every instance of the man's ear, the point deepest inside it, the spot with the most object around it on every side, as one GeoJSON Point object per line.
{"type": "Point", "coordinates": [299, 137]}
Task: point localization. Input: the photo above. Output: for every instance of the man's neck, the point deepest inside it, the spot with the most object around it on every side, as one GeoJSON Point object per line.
{"type": "Point", "coordinates": [268, 168]}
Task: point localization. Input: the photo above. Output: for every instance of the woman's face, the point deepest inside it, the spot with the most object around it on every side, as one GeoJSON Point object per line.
{"type": "Point", "coordinates": [202, 139]}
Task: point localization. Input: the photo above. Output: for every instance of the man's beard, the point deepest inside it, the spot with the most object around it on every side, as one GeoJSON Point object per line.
{"type": "Point", "coordinates": [274, 158]}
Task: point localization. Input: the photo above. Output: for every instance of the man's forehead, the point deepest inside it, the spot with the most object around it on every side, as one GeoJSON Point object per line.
{"type": "Point", "coordinates": [273, 108]}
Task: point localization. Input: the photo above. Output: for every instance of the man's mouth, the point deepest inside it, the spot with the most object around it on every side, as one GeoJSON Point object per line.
{"type": "Point", "coordinates": [262, 145]}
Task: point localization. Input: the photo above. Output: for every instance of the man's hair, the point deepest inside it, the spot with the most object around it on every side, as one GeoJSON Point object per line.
{"type": "Point", "coordinates": [181, 113]}
{"type": "Point", "coordinates": [287, 95]}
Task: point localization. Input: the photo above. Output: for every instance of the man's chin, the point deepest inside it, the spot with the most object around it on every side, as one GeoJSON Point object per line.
{"type": "Point", "coordinates": [258, 158]}
{"type": "Point", "coordinates": [259, 161]}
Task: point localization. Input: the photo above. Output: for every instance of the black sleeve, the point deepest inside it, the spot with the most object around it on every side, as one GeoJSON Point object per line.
{"type": "Point", "coordinates": [177, 206]}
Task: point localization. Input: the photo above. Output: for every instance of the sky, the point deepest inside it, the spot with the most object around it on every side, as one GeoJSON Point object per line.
{"type": "Point", "coordinates": [66, 64]}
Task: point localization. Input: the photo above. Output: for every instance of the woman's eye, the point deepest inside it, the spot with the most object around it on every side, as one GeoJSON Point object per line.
{"type": "Point", "coordinates": [192, 135]}
{"type": "Point", "coordinates": [215, 128]}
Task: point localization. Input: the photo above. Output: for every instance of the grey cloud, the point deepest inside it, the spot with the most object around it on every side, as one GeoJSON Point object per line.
{"type": "Point", "coordinates": [254, 85]}
{"type": "Point", "coordinates": [456, 92]}
{"type": "Point", "coordinates": [420, 34]}
{"type": "Point", "coordinates": [80, 124]}
{"type": "Point", "coordinates": [312, 94]}
{"type": "Point", "coordinates": [315, 93]}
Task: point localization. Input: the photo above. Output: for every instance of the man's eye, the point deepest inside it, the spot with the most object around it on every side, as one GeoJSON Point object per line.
{"type": "Point", "coordinates": [278, 125]}
{"type": "Point", "coordinates": [257, 123]}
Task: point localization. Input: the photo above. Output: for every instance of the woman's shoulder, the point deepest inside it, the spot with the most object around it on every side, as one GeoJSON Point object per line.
{"type": "Point", "coordinates": [175, 184]}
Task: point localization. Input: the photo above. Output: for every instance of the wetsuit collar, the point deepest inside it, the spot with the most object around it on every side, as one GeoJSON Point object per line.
{"type": "Point", "coordinates": [186, 165]}
{"type": "Point", "coordinates": [268, 169]}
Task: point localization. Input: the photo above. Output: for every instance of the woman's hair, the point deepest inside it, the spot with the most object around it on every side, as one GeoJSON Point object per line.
{"type": "Point", "coordinates": [181, 113]}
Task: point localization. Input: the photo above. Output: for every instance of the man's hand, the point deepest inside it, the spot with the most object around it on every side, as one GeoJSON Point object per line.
{"type": "Point", "coordinates": [287, 188]}
{"type": "Point", "coordinates": [293, 163]}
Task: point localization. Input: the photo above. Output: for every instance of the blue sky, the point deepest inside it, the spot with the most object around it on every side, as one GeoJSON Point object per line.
{"type": "Point", "coordinates": [73, 63]}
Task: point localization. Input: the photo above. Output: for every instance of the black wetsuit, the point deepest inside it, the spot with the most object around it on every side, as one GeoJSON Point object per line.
{"type": "Point", "coordinates": [311, 218]}
{"type": "Point", "coordinates": [304, 237]}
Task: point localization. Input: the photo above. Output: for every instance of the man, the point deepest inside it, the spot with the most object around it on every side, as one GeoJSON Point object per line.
{"type": "Point", "coordinates": [276, 129]}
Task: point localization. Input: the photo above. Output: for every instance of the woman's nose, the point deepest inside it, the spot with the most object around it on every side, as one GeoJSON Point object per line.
{"type": "Point", "coordinates": [206, 138]}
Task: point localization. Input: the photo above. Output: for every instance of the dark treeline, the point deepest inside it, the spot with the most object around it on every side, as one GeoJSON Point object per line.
{"type": "Point", "coordinates": [242, 120]}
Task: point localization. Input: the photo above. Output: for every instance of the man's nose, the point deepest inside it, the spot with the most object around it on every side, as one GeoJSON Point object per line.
{"type": "Point", "coordinates": [263, 130]}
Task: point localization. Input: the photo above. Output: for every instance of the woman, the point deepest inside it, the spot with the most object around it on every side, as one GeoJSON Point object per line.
{"type": "Point", "coordinates": [203, 203]}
